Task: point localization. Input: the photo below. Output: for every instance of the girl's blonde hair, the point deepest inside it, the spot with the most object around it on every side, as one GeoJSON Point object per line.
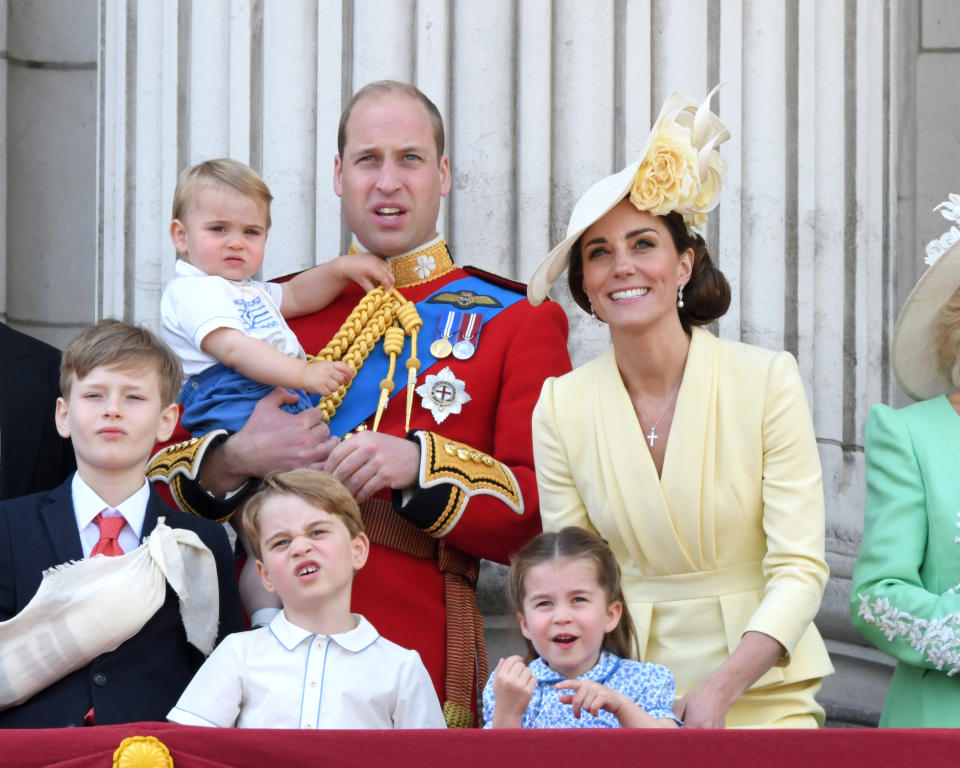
{"type": "Point", "coordinates": [573, 543]}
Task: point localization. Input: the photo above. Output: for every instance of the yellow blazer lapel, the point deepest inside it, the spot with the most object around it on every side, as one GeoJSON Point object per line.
{"type": "Point", "coordinates": [639, 509]}
{"type": "Point", "coordinates": [690, 461]}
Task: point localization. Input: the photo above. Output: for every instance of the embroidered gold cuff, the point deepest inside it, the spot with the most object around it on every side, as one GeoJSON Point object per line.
{"type": "Point", "coordinates": [177, 465]}
{"type": "Point", "coordinates": [469, 471]}
{"type": "Point", "coordinates": [181, 458]}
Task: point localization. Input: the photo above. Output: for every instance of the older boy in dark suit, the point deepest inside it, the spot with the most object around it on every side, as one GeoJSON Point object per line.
{"type": "Point", "coordinates": [119, 385]}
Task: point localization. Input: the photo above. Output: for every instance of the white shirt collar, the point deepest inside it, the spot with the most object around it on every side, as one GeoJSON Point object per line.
{"type": "Point", "coordinates": [289, 635]}
{"type": "Point", "coordinates": [184, 268]}
{"type": "Point", "coordinates": [87, 504]}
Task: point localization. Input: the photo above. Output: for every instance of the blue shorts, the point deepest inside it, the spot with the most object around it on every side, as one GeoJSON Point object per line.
{"type": "Point", "coordinates": [221, 398]}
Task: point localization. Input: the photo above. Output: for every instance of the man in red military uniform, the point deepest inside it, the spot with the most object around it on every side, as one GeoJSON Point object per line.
{"type": "Point", "coordinates": [457, 484]}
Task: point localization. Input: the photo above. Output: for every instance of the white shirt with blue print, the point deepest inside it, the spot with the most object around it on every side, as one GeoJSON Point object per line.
{"type": "Point", "coordinates": [283, 676]}
{"type": "Point", "coordinates": [195, 304]}
{"type": "Point", "coordinates": [650, 686]}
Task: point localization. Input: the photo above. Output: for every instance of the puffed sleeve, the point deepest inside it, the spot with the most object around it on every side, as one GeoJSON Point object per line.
{"type": "Point", "coordinates": [654, 690]}
{"type": "Point", "coordinates": [794, 564]}
{"type": "Point", "coordinates": [489, 702]}
{"type": "Point", "coordinates": [889, 604]}
{"type": "Point", "coordinates": [560, 501]}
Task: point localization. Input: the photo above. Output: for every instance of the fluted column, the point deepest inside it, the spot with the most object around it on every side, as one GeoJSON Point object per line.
{"type": "Point", "coordinates": [49, 129]}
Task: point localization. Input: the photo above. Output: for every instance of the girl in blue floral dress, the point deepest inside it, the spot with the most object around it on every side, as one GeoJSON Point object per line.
{"type": "Point", "coordinates": [565, 589]}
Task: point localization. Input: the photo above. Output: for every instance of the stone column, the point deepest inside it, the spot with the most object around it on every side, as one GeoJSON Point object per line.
{"type": "Point", "coordinates": [50, 166]}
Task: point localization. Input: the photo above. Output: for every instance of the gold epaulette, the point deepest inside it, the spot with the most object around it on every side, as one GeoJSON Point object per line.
{"type": "Point", "coordinates": [469, 471]}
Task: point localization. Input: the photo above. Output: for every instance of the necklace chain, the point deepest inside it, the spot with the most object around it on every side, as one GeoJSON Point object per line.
{"type": "Point", "coordinates": [652, 435]}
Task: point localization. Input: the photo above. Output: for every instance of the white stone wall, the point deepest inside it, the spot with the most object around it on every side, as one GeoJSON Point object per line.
{"type": "Point", "coordinates": [843, 117]}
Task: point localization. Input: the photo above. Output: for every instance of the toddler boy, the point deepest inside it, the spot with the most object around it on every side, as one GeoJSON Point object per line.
{"type": "Point", "coordinates": [316, 665]}
{"type": "Point", "coordinates": [119, 385]}
{"type": "Point", "coordinates": [228, 329]}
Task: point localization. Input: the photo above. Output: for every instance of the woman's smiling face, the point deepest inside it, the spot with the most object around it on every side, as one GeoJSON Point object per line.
{"type": "Point", "coordinates": [631, 268]}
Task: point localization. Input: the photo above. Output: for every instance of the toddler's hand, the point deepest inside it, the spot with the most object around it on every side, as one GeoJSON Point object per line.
{"type": "Point", "coordinates": [325, 377]}
{"type": "Point", "coordinates": [366, 270]}
{"type": "Point", "coordinates": [513, 687]}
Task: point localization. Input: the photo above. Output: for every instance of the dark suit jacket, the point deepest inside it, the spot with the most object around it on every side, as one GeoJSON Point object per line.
{"type": "Point", "coordinates": [33, 457]}
{"type": "Point", "coordinates": [144, 677]}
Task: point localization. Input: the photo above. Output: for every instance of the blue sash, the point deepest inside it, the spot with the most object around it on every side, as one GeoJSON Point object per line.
{"type": "Point", "coordinates": [363, 395]}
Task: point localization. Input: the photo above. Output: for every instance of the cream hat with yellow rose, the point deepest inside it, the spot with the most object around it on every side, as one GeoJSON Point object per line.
{"type": "Point", "coordinates": [915, 350]}
{"type": "Point", "coordinates": [678, 170]}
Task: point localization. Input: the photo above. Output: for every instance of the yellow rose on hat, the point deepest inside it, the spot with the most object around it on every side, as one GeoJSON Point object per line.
{"type": "Point", "coordinates": [666, 177]}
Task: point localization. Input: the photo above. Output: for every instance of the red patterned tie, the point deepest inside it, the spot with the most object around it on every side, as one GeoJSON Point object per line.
{"type": "Point", "coordinates": [109, 531]}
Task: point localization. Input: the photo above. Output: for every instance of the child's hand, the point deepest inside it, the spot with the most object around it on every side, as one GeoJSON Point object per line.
{"type": "Point", "coordinates": [325, 377]}
{"type": "Point", "coordinates": [513, 687]}
{"type": "Point", "coordinates": [591, 696]}
{"type": "Point", "coordinates": [365, 269]}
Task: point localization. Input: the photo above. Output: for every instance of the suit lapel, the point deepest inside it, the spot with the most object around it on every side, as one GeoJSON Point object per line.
{"type": "Point", "coordinates": [61, 522]}
{"type": "Point", "coordinates": [156, 508]}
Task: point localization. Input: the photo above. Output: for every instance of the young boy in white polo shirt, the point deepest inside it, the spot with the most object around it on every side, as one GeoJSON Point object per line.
{"type": "Point", "coordinates": [317, 665]}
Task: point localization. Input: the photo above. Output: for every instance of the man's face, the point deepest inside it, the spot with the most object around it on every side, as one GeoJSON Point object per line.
{"type": "Point", "coordinates": [389, 176]}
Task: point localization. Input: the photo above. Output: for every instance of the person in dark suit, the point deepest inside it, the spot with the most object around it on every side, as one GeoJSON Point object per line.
{"type": "Point", "coordinates": [33, 457]}
{"type": "Point", "coordinates": [119, 396]}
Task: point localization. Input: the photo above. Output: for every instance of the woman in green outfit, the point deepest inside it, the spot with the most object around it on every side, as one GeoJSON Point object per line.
{"type": "Point", "coordinates": [906, 583]}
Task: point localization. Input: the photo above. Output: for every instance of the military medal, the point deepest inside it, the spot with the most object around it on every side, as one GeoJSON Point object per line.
{"type": "Point", "coordinates": [443, 394]}
{"type": "Point", "coordinates": [442, 347]}
{"type": "Point", "coordinates": [469, 331]}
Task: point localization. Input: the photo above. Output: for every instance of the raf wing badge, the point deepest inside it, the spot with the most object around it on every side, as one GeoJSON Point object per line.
{"type": "Point", "coordinates": [443, 394]}
{"type": "Point", "coordinates": [464, 299]}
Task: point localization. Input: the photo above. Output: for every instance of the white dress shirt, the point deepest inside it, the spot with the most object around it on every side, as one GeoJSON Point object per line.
{"type": "Point", "coordinates": [283, 676]}
{"type": "Point", "coordinates": [87, 505]}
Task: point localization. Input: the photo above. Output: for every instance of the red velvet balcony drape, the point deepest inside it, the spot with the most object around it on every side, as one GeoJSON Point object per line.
{"type": "Point", "coordinates": [212, 748]}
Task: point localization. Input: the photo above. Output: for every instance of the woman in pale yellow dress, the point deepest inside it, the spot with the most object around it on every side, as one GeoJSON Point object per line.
{"type": "Point", "coordinates": [694, 457]}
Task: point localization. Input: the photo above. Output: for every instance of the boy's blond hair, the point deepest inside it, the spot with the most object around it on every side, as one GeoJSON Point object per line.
{"type": "Point", "coordinates": [116, 344]}
{"type": "Point", "coordinates": [223, 171]}
{"type": "Point", "coordinates": [318, 489]}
